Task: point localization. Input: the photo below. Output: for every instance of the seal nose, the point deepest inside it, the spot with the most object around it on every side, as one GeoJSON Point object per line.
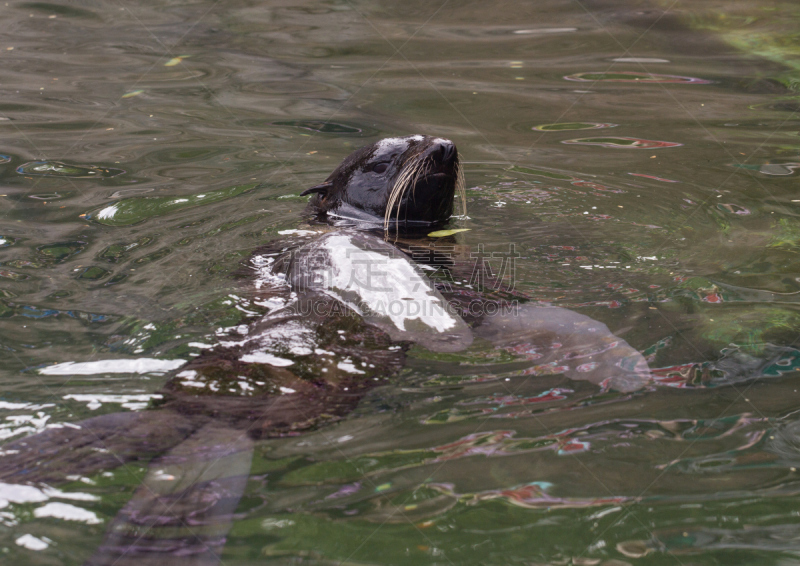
{"type": "Point", "coordinates": [445, 151]}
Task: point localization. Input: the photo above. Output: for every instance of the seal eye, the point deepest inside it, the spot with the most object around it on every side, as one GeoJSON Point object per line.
{"type": "Point", "coordinates": [380, 167]}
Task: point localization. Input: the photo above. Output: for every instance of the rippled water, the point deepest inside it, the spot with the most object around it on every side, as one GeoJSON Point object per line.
{"type": "Point", "coordinates": [641, 158]}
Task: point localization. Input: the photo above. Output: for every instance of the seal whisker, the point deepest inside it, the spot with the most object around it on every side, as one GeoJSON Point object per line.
{"type": "Point", "coordinates": [401, 189]}
{"type": "Point", "coordinates": [461, 187]}
{"type": "Point", "coordinates": [393, 197]}
{"type": "Point", "coordinates": [411, 181]}
{"type": "Point", "coordinates": [404, 179]}
{"type": "Point", "coordinates": [422, 170]}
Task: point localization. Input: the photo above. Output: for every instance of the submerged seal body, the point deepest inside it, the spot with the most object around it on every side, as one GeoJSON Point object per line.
{"type": "Point", "coordinates": [403, 182]}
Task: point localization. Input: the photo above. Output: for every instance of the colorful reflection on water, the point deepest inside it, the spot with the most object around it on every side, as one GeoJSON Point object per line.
{"type": "Point", "coordinates": [632, 143]}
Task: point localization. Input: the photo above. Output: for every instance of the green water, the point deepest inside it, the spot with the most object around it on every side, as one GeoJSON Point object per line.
{"type": "Point", "coordinates": [200, 123]}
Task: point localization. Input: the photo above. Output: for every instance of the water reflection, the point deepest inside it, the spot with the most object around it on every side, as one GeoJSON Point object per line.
{"type": "Point", "coordinates": [573, 126]}
{"type": "Point", "coordinates": [58, 169]}
{"type": "Point", "coordinates": [634, 77]}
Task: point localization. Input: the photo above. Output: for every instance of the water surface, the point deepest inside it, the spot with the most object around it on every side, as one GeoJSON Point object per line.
{"type": "Point", "coordinates": [642, 158]}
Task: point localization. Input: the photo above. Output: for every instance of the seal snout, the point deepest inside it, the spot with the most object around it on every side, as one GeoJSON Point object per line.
{"type": "Point", "coordinates": [443, 151]}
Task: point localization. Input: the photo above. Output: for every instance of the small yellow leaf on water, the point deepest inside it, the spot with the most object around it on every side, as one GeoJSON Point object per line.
{"type": "Point", "coordinates": [132, 93]}
{"type": "Point", "coordinates": [175, 60]}
{"type": "Point", "coordinates": [443, 233]}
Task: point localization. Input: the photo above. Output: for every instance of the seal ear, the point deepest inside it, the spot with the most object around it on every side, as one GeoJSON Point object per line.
{"type": "Point", "coordinates": [322, 189]}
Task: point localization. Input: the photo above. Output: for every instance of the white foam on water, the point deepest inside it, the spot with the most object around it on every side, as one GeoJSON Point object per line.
{"type": "Point", "coordinates": [96, 400]}
{"type": "Point", "coordinates": [21, 494]}
{"type": "Point", "coordinates": [265, 358]}
{"type": "Point", "coordinates": [32, 543]}
{"type": "Point", "coordinates": [10, 493]}
{"type": "Point", "coordinates": [18, 424]}
{"type": "Point", "coordinates": [8, 405]}
{"type": "Point", "coordinates": [296, 232]}
{"type": "Point", "coordinates": [140, 366]}
{"type": "Point", "coordinates": [349, 367]}
{"type": "Point", "coordinates": [301, 351]}
{"type": "Point", "coordinates": [67, 512]}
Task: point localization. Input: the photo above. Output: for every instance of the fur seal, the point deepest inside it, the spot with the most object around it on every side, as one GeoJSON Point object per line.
{"type": "Point", "coordinates": [294, 369]}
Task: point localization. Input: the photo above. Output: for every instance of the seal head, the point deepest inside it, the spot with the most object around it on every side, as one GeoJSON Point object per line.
{"type": "Point", "coordinates": [398, 182]}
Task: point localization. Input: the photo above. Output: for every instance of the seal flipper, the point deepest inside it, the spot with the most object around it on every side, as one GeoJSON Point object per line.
{"type": "Point", "coordinates": [580, 347]}
{"type": "Point", "coordinates": [184, 507]}
{"type": "Point", "coordinates": [93, 445]}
